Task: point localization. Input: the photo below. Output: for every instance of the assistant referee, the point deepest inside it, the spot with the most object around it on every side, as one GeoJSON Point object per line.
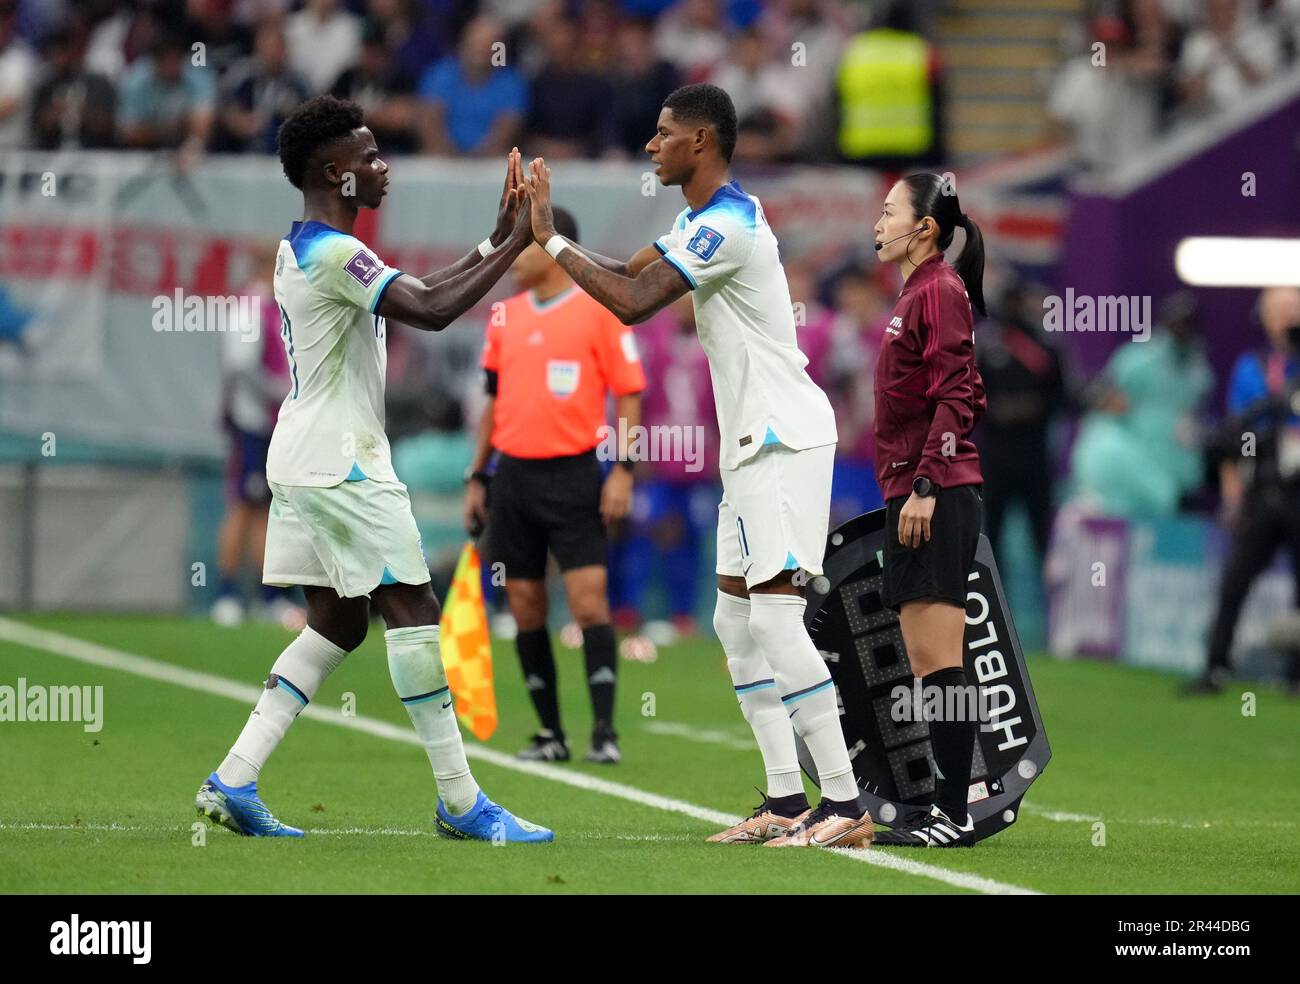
{"type": "Point", "coordinates": [551, 358]}
{"type": "Point", "coordinates": [928, 397]}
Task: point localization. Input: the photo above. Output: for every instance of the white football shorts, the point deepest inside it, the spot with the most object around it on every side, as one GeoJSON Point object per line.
{"type": "Point", "coordinates": [351, 537]}
{"type": "Point", "coordinates": [774, 513]}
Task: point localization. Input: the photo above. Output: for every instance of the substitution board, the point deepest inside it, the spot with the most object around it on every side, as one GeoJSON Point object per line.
{"type": "Point", "coordinates": [889, 743]}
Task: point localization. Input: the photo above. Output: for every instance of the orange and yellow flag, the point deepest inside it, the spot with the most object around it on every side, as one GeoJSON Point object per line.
{"type": "Point", "coordinates": [467, 647]}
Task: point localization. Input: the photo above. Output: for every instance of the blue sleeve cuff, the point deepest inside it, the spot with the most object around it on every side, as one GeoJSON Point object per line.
{"type": "Point", "coordinates": [676, 265]}
{"type": "Point", "coordinates": [380, 296]}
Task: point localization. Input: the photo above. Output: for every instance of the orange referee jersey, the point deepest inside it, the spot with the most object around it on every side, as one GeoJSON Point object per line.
{"type": "Point", "coordinates": [556, 362]}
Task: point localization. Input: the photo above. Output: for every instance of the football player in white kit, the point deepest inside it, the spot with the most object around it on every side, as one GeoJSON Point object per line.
{"type": "Point", "coordinates": [340, 523]}
{"type": "Point", "coordinates": [778, 448]}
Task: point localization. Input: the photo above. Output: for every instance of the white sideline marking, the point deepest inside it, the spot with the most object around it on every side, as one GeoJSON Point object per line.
{"type": "Point", "coordinates": [1061, 816]}
{"type": "Point", "coordinates": [181, 828]}
{"type": "Point", "coordinates": [158, 828]}
{"type": "Point", "coordinates": [209, 683]}
{"type": "Point", "coordinates": [675, 729]}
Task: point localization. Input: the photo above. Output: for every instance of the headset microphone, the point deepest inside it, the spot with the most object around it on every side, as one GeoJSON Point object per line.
{"type": "Point", "coordinates": [880, 246]}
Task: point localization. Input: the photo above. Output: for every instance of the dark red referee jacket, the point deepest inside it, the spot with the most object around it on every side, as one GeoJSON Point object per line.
{"type": "Point", "coordinates": [929, 394]}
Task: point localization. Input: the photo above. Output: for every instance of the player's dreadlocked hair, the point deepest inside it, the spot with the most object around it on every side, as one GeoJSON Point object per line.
{"type": "Point", "coordinates": [704, 103]}
{"type": "Point", "coordinates": [310, 127]}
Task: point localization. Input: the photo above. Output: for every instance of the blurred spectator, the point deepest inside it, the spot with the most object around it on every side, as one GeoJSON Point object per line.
{"type": "Point", "coordinates": [256, 11]}
{"type": "Point", "coordinates": [225, 41]}
{"type": "Point", "coordinates": [385, 92]}
{"type": "Point", "coordinates": [18, 72]}
{"type": "Point", "coordinates": [473, 102]}
{"type": "Point", "coordinates": [72, 107]}
{"type": "Point", "coordinates": [1025, 382]}
{"type": "Point", "coordinates": [569, 107]}
{"type": "Point", "coordinates": [641, 83]}
{"type": "Point", "coordinates": [819, 29]}
{"type": "Point", "coordinates": [166, 101]}
{"type": "Point", "coordinates": [119, 34]}
{"type": "Point", "coordinates": [254, 381]}
{"type": "Point", "coordinates": [257, 94]}
{"type": "Point", "coordinates": [1138, 454]}
{"type": "Point", "coordinates": [416, 33]}
{"type": "Point", "coordinates": [1156, 46]}
{"type": "Point", "coordinates": [859, 314]}
{"type": "Point", "coordinates": [693, 36]}
{"type": "Point", "coordinates": [766, 97]}
{"type": "Point", "coordinates": [887, 103]}
{"type": "Point", "coordinates": [324, 39]}
{"type": "Point", "coordinates": [1260, 486]}
{"type": "Point", "coordinates": [1225, 58]}
{"type": "Point", "coordinates": [1109, 110]}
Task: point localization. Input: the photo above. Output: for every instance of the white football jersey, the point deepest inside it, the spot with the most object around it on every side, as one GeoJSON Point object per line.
{"type": "Point", "coordinates": [331, 425]}
{"type": "Point", "coordinates": [727, 254]}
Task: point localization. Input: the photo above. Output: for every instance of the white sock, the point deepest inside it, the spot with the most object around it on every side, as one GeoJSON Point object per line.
{"type": "Point", "coordinates": [293, 681]}
{"type": "Point", "coordinates": [806, 689]}
{"type": "Point", "coordinates": [415, 665]}
{"type": "Point", "coordinates": [759, 701]}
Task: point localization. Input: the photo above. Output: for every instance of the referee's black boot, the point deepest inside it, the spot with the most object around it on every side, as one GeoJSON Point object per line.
{"type": "Point", "coordinates": [1212, 682]}
{"type": "Point", "coordinates": [547, 746]}
{"type": "Point", "coordinates": [604, 747]}
{"type": "Point", "coordinates": [928, 828]}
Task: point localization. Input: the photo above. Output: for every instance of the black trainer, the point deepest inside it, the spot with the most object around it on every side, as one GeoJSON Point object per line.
{"type": "Point", "coordinates": [547, 746]}
{"type": "Point", "coordinates": [1211, 683]}
{"type": "Point", "coordinates": [604, 747]}
{"type": "Point", "coordinates": [928, 828]}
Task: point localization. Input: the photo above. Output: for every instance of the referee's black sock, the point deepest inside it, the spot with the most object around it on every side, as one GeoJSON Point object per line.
{"type": "Point", "coordinates": [602, 671]}
{"type": "Point", "coordinates": [539, 675]}
{"type": "Point", "coordinates": [953, 742]}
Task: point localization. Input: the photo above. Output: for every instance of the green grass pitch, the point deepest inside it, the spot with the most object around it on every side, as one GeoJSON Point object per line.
{"type": "Point", "coordinates": [1195, 797]}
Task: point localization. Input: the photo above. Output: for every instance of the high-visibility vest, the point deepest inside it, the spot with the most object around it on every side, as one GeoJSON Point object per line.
{"type": "Point", "coordinates": [884, 86]}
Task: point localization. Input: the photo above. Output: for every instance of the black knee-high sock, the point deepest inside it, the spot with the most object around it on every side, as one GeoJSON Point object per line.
{"type": "Point", "coordinates": [602, 671]}
{"type": "Point", "coordinates": [953, 743]}
{"type": "Point", "coordinates": [539, 674]}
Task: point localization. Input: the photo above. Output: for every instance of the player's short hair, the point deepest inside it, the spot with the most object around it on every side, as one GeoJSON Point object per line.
{"type": "Point", "coordinates": [312, 126]}
{"type": "Point", "coordinates": [704, 103]}
{"type": "Point", "coordinates": [565, 224]}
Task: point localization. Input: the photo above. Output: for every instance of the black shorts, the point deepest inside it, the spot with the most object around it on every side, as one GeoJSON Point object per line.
{"type": "Point", "coordinates": [938, 568]}
{"type": "Point", "coordinates": [541, 504]}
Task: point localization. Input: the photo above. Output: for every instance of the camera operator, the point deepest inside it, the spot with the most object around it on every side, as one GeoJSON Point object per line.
{"type": "Point", "coordinates": [1260, 474]}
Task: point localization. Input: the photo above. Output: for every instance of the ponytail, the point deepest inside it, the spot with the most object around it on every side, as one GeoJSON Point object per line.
{"type": "Point", "coordinates": [970, 264]}
{"type": "Point", "coordinates": [933, 195]}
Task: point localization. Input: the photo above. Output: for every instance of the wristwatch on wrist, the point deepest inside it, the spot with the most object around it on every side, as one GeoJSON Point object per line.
{"type": "Point", "coordinates": [923, 487]}
{"type": "Point", "coordinates": [472, 475]}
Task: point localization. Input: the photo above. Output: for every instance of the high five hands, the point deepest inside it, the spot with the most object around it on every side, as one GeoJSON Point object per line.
{"type": "Point", "coordinates": [512, 214]}
{"type": "Point", "coordinates": [538, 184]}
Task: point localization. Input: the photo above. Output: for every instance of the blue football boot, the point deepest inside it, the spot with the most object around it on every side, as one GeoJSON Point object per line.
{"type": "Point", "coordinates": [240, 809]}
{"type": "Point", "coordinates": [487, 821]}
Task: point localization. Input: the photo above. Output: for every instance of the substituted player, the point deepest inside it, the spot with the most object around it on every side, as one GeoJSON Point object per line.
{"type": "Point", "coordinates": [928, 397]}
{"type": "Point", "coordinates": [551, 358]}
{"type": "Point", "coordinates": [341, 523]}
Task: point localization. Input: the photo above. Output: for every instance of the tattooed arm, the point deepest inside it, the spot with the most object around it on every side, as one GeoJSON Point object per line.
{"type": "Point", "coordinates": [631, 296]}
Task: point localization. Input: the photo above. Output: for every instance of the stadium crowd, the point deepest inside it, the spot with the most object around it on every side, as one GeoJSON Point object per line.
{"type": "Point", "coordinates": [579, 77]}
